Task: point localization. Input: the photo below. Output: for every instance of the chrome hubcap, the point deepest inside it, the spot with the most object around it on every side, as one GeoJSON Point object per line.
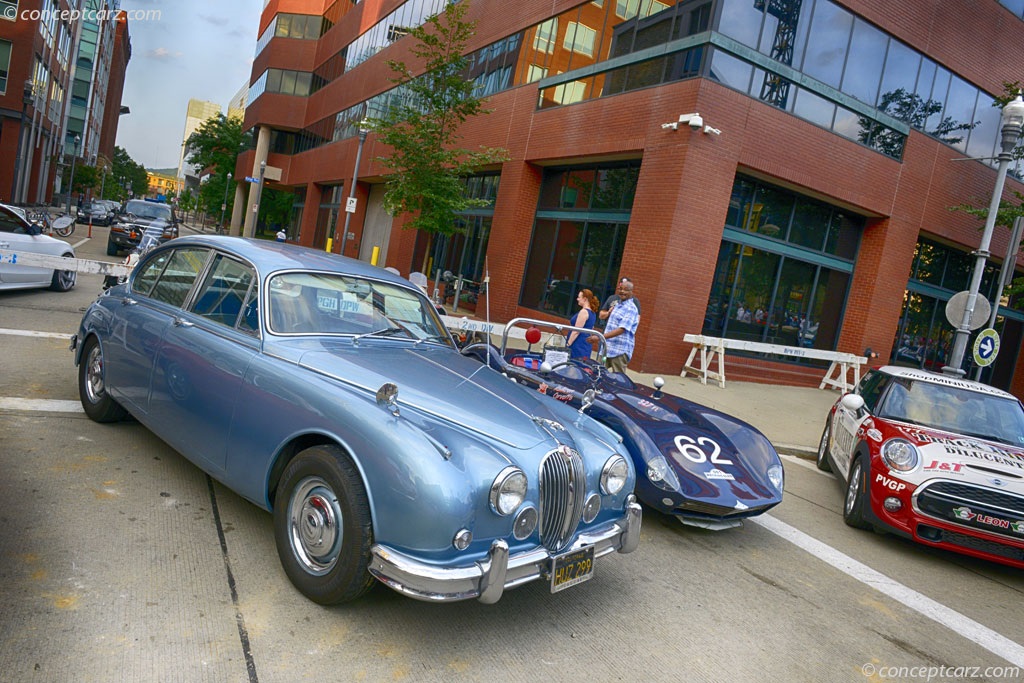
{"type": "Point", "coordinates": [94, 388]}
{"type": "Point", "coordinates": [315, 526]}
{"type": "Point", "coordinates": [852, 488]}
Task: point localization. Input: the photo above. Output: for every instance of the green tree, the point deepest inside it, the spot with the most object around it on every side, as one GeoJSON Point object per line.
{"type": "Point", "coordinates": [421, 126]}
{"type": "Point", "coordinates": [275, 207]}
{"type": "Point", "coordinates": [126, 175]}
{"type": "Point", "coordinates": [86, 177]}
{"type": "Point", "coordinates": [214, 148]}
{"type": "Point", "coordinates": [916, 112]}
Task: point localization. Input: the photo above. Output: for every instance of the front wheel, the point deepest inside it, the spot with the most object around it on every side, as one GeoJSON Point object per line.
{"type": "Point", "coordinates": [822, 460]}
{"type": "Point", "coordinates": [92, 388]}
{"type": "Point", "coordinates": [856, 496]}
{"type": "Point", "coordinates": [63, 280]}
{"type": "Point", "coordinates": [322, 526]}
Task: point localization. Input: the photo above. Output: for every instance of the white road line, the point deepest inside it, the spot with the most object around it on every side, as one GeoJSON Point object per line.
{"type": "Point", "coordinates": [951, 619]}
{"type": "Point", "coordinates": [32, 333]}
{"type": "Point", "coordinates": [45, 405]}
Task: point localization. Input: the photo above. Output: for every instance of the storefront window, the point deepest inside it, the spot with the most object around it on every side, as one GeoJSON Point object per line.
{"type": "Point", "coordinates": [579, 234]}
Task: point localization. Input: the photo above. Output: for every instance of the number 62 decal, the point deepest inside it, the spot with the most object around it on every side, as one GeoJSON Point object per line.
{"type": "Point", "coordinates": [692, 450]}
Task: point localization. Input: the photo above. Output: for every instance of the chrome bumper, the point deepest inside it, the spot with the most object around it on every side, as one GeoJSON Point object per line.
{"type": "Point", "coordinates": [488, 578]}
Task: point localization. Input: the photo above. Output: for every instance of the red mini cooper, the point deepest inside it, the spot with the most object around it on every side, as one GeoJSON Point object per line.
{"type": "Point", "coordinates": [934, 458]}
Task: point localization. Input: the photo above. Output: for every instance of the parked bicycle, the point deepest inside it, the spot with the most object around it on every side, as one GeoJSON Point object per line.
{"type": "Point", "coordinates": [63, 225]}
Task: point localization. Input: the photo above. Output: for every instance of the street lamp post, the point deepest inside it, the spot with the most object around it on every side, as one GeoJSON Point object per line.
{"type": "Point", "coordinates": [71, 181]}
{"type": "Point", "coordinates": [1012, 120]}
{"type": "Point", "coordinates": [363, 132]}
{"type": "Point", "coordinates": [20, 163]}
{"type": "Point", "coordinates": [224, 204]}
{"type": "Point", "coordinates": [259, 197]}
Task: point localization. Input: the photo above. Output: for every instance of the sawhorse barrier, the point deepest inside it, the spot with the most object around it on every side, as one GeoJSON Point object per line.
{"type": "Point", "coordinates": [710, 349]}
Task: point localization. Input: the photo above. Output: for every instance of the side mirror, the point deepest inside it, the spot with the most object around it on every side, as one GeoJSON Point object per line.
{"type": "Point", "coordinates": [588, 399]}
{"type": "Point", "coordinates": [852, 402]}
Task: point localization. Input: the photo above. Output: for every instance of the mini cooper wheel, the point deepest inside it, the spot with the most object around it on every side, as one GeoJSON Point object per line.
{"type": "Point", "coordinates": [92, 387]}
{"type": "Point", "coordinates": [822, 460]}
{"type": "Point", "coordinates": [856, 496]}
{"type": "Point", "coordinates": [322, 526]}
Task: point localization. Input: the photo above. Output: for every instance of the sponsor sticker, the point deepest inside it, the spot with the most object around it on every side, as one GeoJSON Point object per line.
{"type": "Point", "coordinates": [718, 474]}
{"type": "Point", "coordinates": [891, 484]}
{"type": "Point", "coordinates": [940, 466]}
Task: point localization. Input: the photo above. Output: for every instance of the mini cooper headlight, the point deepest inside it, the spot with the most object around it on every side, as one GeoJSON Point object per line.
{"type": "Point", "coordinates": [614, 474]}
{"type": "Point", "coordinates": [508, 490]}
{"type": "Point", "coordinates": [775, 477]}
{"type": "Point", "coordinates": [900, 455]}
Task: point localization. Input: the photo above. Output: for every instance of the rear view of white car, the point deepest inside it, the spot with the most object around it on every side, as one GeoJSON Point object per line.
{"type": "Point", "coordinates": [18, 236]}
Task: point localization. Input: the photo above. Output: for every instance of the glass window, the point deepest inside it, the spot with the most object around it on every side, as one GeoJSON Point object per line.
{"type": "Point", "coordinates": [730, 71]}
{"type": "Point", "coordinates": [813, 108]}
{"type": "Point", "coordinates": [864, 62]}
{"type": "Point", "coordinates": [741, 20]}
{"type": "Point", "coordinates": [827, 43]}
{"type": "Point", "coordinates": [901, 68]}
{"type": "Point", "coordinates": [221, 296]}
{"type": "Point", "coordinates": [958, 116]}
{"type": "Point", "coordinates": [579, 38]}
{"type": "Point", "coordinates": [546, 35]}
{"type": "Point", "coordinates": [871, 387]}
{"type": "Point", "coordinates": [810, 224]}
{"type": "Point", "coordinates": [772, 210]}
{"type": "Point", "coordinates": [179, 275]}
{"type": "Point", "coordinates": [5, 63]}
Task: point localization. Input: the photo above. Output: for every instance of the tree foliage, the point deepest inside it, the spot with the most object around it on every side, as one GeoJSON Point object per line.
{"type": "Point", "coordinates": [125, 175]}
{"type": "Point", "coordinates": [916, 112]}
{"type": "Point", "coordinates": [421, 127]}
{"type": "Point", "coordinates": [214, 148]}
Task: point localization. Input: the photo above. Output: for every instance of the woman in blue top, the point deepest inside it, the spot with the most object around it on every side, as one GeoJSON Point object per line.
{"type": "Point", "coordinates": [579, 344]}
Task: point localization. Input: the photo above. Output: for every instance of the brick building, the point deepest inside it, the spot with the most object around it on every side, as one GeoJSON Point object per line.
{"type": "Point", "coordinates": [810, 207]}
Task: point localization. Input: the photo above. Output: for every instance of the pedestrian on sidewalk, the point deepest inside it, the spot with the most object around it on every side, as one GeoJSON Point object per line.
{"type": "Point", "coordinates": [282, 236]}
{"type": "Point", "coordinates": [620, 330]}
{"type": "Point", "coordinates": [611, 301]}
{"type": "Point", "coordinates": [578, 343]}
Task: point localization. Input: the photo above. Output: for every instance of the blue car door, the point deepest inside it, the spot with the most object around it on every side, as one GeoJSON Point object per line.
{"type": "Point", "coordinates": [201, 362]}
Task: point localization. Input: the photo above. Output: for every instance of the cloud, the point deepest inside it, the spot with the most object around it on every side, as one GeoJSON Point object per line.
{"type": "Point", "coordinates": [215, 21]}
{"type": "Point", "coordinates": [163, 54]}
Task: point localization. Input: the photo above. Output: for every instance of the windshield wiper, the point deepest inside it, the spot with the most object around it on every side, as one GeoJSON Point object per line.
{"type": "Point", "coordinates": [433, 337]}
{"type": "Point", "coordinates": [382, 332]}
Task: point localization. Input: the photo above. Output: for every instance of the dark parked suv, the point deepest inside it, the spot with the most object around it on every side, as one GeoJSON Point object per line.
{"type": "Point", "coordinates": [96, 212]}
{"type": "Point", "coordinates": [138, 215]}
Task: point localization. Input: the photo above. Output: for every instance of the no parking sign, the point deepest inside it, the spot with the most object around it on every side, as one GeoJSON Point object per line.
{"type": "Point", "coordinates": [986, 346]}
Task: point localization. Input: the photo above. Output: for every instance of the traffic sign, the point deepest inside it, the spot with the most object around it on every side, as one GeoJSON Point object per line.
{"type": "Point", "coordinates": [350, 205]}
{"type": "Point", "coordinates": [250, 179]}
{"type": "Point", "coordinates": [986, 347]}
{"type": "Point", "coordinates": [957, 305]}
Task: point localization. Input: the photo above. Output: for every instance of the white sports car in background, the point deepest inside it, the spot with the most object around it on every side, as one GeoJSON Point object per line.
{"type": "Point", "coordinates": [19, 236]}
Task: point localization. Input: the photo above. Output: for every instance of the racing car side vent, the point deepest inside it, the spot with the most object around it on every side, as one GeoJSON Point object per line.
{"type": "Point", "coordinates": [563, 493]}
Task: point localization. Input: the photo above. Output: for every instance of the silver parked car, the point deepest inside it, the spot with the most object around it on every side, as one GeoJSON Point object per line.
{"type": "Point", "coordinates": [329, 392]}
{"type": "Point", "coordinates": [21, 237]}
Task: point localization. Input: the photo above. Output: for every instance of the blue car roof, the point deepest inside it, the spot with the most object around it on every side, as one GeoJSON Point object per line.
{"type": "Point", "coordinates": [270, 256]}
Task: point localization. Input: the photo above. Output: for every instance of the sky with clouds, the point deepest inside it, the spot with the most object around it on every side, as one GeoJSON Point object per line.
{"type": "Point", "coordinates": [200, 49]}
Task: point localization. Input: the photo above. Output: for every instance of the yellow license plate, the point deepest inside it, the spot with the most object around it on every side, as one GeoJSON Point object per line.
{"type": "Point", "coordinates": [572, 568]}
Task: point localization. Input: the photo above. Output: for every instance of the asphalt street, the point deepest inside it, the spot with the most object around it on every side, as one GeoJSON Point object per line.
{"type": "Point", "coordinates": [121, 561]}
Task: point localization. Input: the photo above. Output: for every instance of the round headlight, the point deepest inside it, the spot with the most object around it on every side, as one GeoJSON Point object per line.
{"type": "Point", "coordinates": [900, 455]}
{"type": "Point", "coordinates": [657, 468]}
{"type": "Point", "coordinates": [775, 477]}
{"type": "Point", "coordinates": [614, 474]}
{"type": "Point", "coordinates": [508, 490]}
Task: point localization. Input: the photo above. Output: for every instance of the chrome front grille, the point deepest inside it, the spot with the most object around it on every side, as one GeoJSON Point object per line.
{"type": "Point", "coordinates": [563, 492]}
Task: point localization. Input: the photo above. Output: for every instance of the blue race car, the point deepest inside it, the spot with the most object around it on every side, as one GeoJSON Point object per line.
{"type": "Point", "coordinates": [328, 391]}
{"type": "Point", "coordinates": [704, 467]}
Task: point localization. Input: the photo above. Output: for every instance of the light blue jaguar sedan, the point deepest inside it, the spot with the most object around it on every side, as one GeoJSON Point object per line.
{"type": "Point", "coordinates": [328, 392]}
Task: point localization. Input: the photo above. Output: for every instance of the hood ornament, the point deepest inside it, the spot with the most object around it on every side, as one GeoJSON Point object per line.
{"type": "Point", "coordinates": [387, 397]}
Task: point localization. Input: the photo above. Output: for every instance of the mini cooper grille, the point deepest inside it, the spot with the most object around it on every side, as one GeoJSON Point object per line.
{"type": "Point", "coordinates": [974, 543]}
{"type": "Point", "coordinates": [563, 492]}
{"type": "Point", "coordinates": [978, 507]}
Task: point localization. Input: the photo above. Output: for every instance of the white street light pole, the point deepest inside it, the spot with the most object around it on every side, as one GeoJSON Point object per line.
{"type": "Point", "coordinates": [1012, 120]}
{"type": "Point", "coordinates": [224, 204]}
{"type": "Point", "coordinates": [363, 132]}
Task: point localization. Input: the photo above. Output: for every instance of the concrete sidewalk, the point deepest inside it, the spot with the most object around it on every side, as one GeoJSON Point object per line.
{"type": "Point", "coordinates": [791, 417]}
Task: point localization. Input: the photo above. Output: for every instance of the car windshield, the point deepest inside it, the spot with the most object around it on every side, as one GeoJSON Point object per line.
{"type": "Point", "coordinates": [953, 409]}
{"type": "Point", "coordinates": [149, 210]}
{"type": "Point", "coordinates": [327, 303]}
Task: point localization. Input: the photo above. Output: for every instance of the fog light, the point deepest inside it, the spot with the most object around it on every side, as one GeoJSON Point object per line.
{"type": "Point", "coordinates": [892, 504]}
{"type": "Point", "coordinates": [462, 539]}
{"type": "Point", "coordinates": [592, 507]}
{"type": "Point", "coordinates": [526, 522]}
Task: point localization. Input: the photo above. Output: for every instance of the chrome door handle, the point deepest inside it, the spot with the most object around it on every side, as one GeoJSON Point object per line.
{"type": "Point", "coordinates": [181, 322]}
{"type": "Point", "coordinates": [128, 301]}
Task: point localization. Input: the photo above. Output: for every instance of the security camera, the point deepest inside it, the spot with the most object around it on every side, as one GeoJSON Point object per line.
{"type": "Point", "coordinates": [696, 122]}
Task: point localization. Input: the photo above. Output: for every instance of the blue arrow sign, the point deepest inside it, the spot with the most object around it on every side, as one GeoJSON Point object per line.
{"type": "Point", "coordinates": [986, 346]}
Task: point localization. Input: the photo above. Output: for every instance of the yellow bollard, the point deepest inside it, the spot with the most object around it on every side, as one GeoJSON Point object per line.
{"type": "Point", "coordinates": [374, 256]}
{"type": "Point", "coordinates": [329, 245]}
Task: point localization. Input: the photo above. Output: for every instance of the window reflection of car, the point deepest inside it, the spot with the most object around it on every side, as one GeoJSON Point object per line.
{"type": "Point", "coordinates": [703, 467]}
{"type": "Point", "coordinates": [328, 391]}
{"type": "Point", "coordinates": [19, 236]}
{"type": "Point", "coordinates": [932, 457]}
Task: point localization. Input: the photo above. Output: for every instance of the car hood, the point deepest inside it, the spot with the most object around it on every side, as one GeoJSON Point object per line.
{"type": "Point", "coordinates": [955, 455]}
{"type": "Point", "coordinates": [444, 386]}
{"type": "Point", "coordinates": [716, 456]}
{"type": "Point", "coordinates": [144, 221]}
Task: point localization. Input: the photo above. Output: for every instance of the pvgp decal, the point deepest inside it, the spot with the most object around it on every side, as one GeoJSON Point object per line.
{"type": "Point", "coordinates": [692, 450]}
{"type": "Point", "coordinates": [888, 483]}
